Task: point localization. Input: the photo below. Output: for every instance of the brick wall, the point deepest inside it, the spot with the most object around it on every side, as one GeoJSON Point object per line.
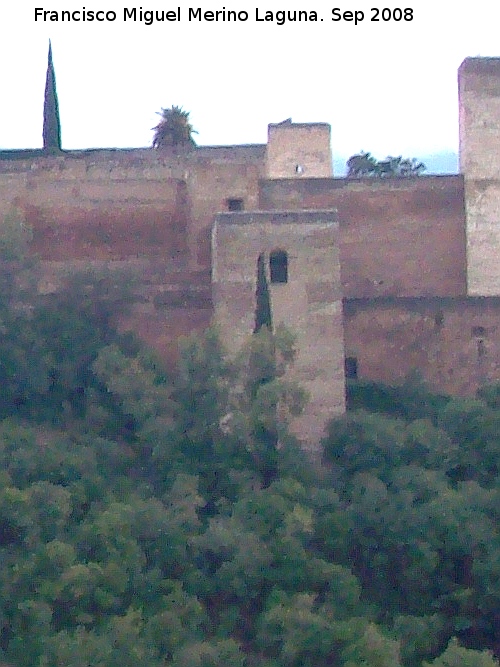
{"type": "Point", "coordinates": [398, 237]}
{"type": "Point", "coordinates": [142, 213]}
{"type": "Point", "coordinates": [454, 343]}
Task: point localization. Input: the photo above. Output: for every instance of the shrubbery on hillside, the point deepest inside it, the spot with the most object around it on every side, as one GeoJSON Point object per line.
{"type": "Point", "coordinates": [148, 517]}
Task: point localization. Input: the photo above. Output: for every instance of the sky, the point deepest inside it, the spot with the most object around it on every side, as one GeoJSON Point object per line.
{"type": "Point", "coordinates": [388, 87]}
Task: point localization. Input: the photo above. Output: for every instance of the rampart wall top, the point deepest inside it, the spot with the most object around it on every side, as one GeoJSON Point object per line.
{"type": "Point", "coordinates": [116, 159]}
{"type": "Point", "coordinates": [115, 202]}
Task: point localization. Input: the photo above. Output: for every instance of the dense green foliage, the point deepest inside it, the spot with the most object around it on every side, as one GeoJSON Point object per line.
{"type": "Point", "coordinates": [153, 516]}
{"type": "Point", "coordinates": [365, 165]}
{"type": "Point", "coordinates": [174, 129]}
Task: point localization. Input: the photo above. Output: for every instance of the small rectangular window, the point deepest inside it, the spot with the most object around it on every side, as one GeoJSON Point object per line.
{"type": "Point", "coordinates": [235, 204]}
{"type": "Point", "coordinates": [278, 266]}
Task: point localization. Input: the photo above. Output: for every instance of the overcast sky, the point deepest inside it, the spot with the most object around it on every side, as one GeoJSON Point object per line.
{"type": "Point", "coordinates": [387, 87]}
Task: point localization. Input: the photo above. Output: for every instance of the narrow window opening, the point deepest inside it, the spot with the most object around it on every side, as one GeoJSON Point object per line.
{"type": "Point", "coordinates": [351, 368]}
{"type": "Point", "coordinates": [299, 169]}
{"type": "Point", "coordinates": [439, 319]}
{"type": "Point", "coordinates": [235, 204]}
{"type": "Point", "coordinates": [278, 266]}
{"type": "Point", "coordinates": [481, 349]}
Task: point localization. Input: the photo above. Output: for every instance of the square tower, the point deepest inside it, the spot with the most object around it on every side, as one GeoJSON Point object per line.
{"type": "Point", "coordinates": [302, 259]}
{"type": "Point", "coordinates": [299, 149]}
{"type": "Point", "coordinates": [479, 107]}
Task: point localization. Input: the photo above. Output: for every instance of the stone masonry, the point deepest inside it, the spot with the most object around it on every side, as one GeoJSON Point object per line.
{"type": "Point", "coordinates": [479, 97]}
{"type": "Point", "coordinates": [409, 266]}
{"type": "Point", "coordinates": [309, 303]}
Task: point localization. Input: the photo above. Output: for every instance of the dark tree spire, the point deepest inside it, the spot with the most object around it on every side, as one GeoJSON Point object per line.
{"type": "Point", "coordinates": [263, 299]}
{"type": "Point", "coordinates": [51, 122]}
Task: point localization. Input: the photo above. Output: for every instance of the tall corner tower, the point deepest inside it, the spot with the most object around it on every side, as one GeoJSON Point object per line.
{"type": "Point", "coordinates": [301, 255]}
{"type": "Point", "coordinates": [479, 108]}
{"type": "Point", "coordinates": [297, 150]}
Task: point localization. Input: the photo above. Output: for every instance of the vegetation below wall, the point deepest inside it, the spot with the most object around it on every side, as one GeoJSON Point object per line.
{"type": "Point", "coordinates": [147, 517]}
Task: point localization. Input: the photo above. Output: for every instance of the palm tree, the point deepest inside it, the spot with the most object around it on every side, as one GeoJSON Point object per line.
{"type": "Point", "coordinates": [174, 129]}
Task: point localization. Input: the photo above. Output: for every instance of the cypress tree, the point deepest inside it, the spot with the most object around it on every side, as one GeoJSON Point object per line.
{"type": "Point", "coordinates": [263, 299]}
{"type": "Point", "coordinates": [51, 121]}
{"type": "Point", "coordinates": [262, 370]}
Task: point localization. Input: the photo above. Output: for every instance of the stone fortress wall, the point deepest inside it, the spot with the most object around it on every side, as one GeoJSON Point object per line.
{"type": "Point", "coordinates": [419, 258]}
{"type": "Point", "coordinates": [398, 237]}
{"type": "Point", "coordinates": [139, 210]}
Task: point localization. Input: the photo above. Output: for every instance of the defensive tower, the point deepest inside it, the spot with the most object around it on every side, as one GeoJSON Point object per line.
{"type": "Point", "coordinates": [479, 108]}
{"type": "Point", "coordinates": [302, 258]}
{"type": "Point", "coordinates": [298, 150]}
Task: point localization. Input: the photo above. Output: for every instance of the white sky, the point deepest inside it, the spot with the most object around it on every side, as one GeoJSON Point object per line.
{"type": "Point", "coordinates": [389, 88]}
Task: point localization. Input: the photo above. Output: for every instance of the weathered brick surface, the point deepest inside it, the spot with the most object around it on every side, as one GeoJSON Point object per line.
{"type": "Point", "coordinates": [300, 150]}
{"type": "Point", "coordinates": [144, 214]}
{"type": "Point", "coordinates": [453, 343]}
{"type": "Point", "coordinates": [398, 237]}
{"type": "Point", "coordinates": [109, 204]}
